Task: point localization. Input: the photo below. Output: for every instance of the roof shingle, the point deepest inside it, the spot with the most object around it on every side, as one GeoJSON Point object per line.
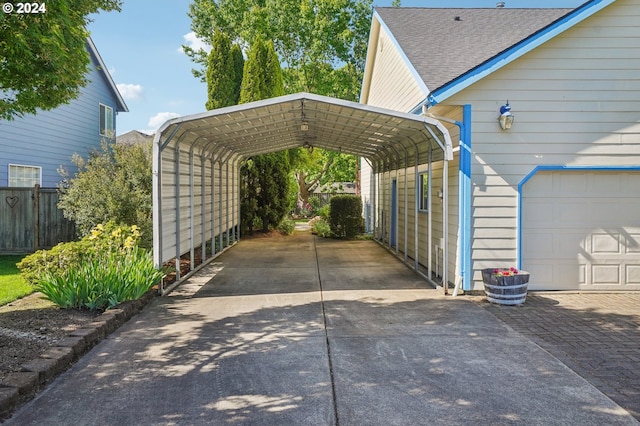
{"type": "Point", "coordinates": [442, 44]}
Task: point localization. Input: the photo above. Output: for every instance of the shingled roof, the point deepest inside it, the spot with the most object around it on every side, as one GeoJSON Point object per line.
{"type": "Point", "coordinates": [443, 44]}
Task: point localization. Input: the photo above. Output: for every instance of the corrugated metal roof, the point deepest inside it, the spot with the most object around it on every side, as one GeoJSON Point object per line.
{"type": "Point", "coordinates": [387, 138]}
{"type": "Point", "coordinates": [442, 43]}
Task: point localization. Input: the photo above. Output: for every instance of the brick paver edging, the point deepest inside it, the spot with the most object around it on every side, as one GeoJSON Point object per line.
{"type": "Point", "coordinates": [20, 387]}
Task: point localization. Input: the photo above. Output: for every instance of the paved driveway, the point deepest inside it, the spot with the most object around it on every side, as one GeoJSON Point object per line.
{"type": "Point", "coordinates": [306, 331]}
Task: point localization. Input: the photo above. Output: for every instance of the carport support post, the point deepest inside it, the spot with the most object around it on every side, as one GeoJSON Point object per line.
{"type": "Point", "coordinates": [430, 212]}
{"type": "Point", "coordinates": [213, 205]}
{"type": "Point", "coordinates": [192, 248]}
{"type": "Point", "coordinates": [445, 223]}
{"type": "Point", "coordinates": [176, 178]}
{"type": "Point", "coordinates": [227, 200]}
{"type": "Point", "coordinates": [203, 213]}
{"type": "Point", "coordinates": [220, 204]}
{"type": "Point", "coordinates": [416, 235]}
{"type": "Point", "coordinates": [406, 205]}
{"type": "Point", "coordinates": [374, 201]}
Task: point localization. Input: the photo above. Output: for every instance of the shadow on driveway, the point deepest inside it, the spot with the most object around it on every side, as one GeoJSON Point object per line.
{"type": "Point", "coordinates": [303, 331]}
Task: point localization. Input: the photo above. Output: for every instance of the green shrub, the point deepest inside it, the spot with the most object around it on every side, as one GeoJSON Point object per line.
{"type": "Point", "coordinates": [287, 226]}
{"type": "Point", "coordinates": [103, 269]}
{"type": "Point", "coordinates": [321, 228]}
{"type": "Point", "coordinates": [103, 281]}
{"type": "Point", "coordinates": [66, 255]}
{"type": "Point", "coordinates": [324, 211]}
{"type": "Point", "coordinates": [345, 216]}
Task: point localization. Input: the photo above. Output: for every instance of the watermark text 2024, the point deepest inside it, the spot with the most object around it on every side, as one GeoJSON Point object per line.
{"type": "Point", "coordinates": [24, 8]}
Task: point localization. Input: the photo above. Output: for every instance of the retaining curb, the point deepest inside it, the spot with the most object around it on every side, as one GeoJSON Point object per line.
{"type": "Point", "coordinates": [20, 387]}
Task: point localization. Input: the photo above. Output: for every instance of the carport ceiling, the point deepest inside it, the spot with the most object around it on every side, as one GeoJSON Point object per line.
{"type": "Point", "coordinates": [389, 139]}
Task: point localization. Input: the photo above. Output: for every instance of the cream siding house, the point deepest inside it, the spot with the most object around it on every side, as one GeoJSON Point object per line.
{"type": "Point", "coordinates": [558, 194]}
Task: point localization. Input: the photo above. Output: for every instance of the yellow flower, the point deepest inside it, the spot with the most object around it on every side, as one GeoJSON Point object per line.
{"type": "Point", "coordinates": [129, 243]}
{"type": "Point", "coordinates": [116, 233]}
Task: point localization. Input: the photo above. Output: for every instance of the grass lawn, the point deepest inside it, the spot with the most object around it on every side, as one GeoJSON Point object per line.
{"type": "Point", "coordinates": [12, 286]}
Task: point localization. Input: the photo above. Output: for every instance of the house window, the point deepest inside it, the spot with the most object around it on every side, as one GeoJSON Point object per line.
{"type": "Point", "coordinates": [24, 176]}
{"type": "Point", "coordinates": [106, 121]}
{"type": "Point", "coordinates": [424, 192]}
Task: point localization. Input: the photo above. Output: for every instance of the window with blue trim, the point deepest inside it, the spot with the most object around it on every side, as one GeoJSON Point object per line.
{"type": "Point", "coordinates": [423, 199]}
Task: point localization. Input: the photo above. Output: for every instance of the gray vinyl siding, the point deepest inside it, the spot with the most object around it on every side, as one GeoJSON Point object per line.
{"type": "Point", "coordinates": [395, 85]}
{"type": "Point", "coordinates": [50, 138]}
{"type": "Point", "coordinates": [576, 101]}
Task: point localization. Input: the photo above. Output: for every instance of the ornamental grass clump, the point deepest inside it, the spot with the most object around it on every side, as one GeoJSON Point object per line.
{"type": "Point", "coordinates": [108, 267]}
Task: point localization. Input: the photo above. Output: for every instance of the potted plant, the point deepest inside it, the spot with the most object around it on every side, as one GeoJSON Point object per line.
{"type": "Point", "coordinates": [505, 286]}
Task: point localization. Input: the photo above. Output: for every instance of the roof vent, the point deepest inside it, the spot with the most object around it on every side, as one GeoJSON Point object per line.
{"type": "Point", "coordinates": [457, 18]}
{"type": "Point", "coordinates": [500, 4]}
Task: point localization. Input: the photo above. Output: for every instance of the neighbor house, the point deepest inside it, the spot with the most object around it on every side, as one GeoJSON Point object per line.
{"type": "Point", "coordinates": [34, 147]}
{"type": "Point", "coordinates": [545, 104]}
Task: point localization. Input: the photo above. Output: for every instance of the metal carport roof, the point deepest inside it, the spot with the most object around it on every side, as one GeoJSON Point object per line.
{"type": "Point", "coordinates": [276, 124]}
{"type": "Point", "coordinates": [196, 158]}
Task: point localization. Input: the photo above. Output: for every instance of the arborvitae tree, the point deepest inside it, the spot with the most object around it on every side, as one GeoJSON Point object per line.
{"type": "Point", "coordinates": [266, 176]}
{"type": "Point", "coordinates": [221, 74]}
{"type": "Point", "coordinates": [238, 69]}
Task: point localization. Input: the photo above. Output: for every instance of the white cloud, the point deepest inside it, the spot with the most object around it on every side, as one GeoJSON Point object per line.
{"type": "Point", "coordinates": [158, 120]}
{"type": "Point", "coordinates": [131, 92]}
{"type": "Point", "coordinates": [192, 41]}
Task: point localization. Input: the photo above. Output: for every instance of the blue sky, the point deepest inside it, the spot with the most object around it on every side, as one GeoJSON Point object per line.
{"type": "Point", "coordinates": [141, 48]}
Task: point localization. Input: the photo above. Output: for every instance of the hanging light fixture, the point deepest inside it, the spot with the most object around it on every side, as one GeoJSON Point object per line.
{"type": "Point", "coordinates": [506, 117]}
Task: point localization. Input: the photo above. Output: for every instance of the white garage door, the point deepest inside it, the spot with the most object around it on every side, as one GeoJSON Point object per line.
{"type": "Point", "coordinates": [581, 230]}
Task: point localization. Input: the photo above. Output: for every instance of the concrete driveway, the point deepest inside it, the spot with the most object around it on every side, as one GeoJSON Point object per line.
{"type": "Point", "coordinates": [307, 331]}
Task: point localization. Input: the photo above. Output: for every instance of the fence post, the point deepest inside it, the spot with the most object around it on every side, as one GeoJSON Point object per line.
{"type": "Point", "coordinates": [36, 217]}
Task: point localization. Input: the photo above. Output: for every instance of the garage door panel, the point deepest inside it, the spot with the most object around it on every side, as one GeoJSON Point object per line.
{"type": "Point", "coordinates": [604, 243]}
{"type": "Point", "coordinates": [633, 274]}
{"type": "Point", "coordinates": [605, 274]}
{"type": "Point", "coordinates": [581, 230]}
{"type": "Point", "coordinates": [633, 243]}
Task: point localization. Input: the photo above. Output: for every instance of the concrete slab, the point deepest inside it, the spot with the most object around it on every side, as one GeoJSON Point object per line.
{"type": "Point", "coordinates": [248, 341]}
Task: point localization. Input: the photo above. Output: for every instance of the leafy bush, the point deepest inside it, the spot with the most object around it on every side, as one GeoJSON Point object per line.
{"type": "Point", "coordinates": [320, 227]}
{"type": "Point", "coordinates": [114, 183]}
{"type": "Point", "coordinates": [324, 211]}
{"type": "Point", "coordinates": [64, 256]}
{"type": "Point", "coordinates": [100, 271]}
{"type": "Point", "coordinates": [287, 226]}
{"type": "Point", "coordinates": [345, 217]}
{"type": "Point", "coordinates": [102, 282]}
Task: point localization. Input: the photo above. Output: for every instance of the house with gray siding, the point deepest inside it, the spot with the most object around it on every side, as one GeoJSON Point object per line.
{"type": "Point", "coordinates": [34, 147]}
{"type": "Point", "coordinates": [558, 192]}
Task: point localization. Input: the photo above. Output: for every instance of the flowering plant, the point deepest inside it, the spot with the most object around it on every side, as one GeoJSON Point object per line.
{"type": "Point", "coordinates": [505, 272]}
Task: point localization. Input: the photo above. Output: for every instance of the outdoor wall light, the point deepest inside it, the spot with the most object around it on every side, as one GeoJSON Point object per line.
{"type": "Point", "coordinates": [506, 118]}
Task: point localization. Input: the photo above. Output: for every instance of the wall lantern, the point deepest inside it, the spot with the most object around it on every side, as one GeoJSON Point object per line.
{"type": "Point", "coordinates": [506, 118]}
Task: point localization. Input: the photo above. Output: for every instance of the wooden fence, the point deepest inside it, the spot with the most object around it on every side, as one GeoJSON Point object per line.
{"type": "Point", "coordinates": [30, 220]}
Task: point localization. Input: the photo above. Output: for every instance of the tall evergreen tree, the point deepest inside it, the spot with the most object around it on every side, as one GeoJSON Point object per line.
{"type": "Point", "coordinates": [265, 195]}
{"type": "Point", "coordinates": [238, 69]}
{"type": "Point", "coordinates": [221, 78]}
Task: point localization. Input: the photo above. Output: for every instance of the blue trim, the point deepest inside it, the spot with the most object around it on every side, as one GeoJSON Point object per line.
{"type": "Point", "coordinates": [407, 62]}
{"type": "Point", "coordinates": [466, 197]}
{"type": "Point", "coordinates": [537, 169]}
{"type": "Point", "coordinates": [517, 50]}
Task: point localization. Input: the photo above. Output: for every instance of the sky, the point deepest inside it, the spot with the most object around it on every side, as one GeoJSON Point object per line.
{"type": "Point", "coordinates": [141, 47]}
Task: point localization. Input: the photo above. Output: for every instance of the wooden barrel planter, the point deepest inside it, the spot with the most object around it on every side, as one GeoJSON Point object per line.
{"type": "Point", "coordinates": [505, 286]}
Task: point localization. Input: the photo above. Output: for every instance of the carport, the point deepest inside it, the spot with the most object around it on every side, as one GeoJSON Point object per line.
{"type": "Point", "coordinates": [197, 160]}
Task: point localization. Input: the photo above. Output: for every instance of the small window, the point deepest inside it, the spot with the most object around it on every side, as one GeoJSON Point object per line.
{"type": "Point", "coordinates": [24, 176]}
{"type": "Point", "coordinates": [106, 121]}
{"type": "Point", "coordinates": [424, 192]}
